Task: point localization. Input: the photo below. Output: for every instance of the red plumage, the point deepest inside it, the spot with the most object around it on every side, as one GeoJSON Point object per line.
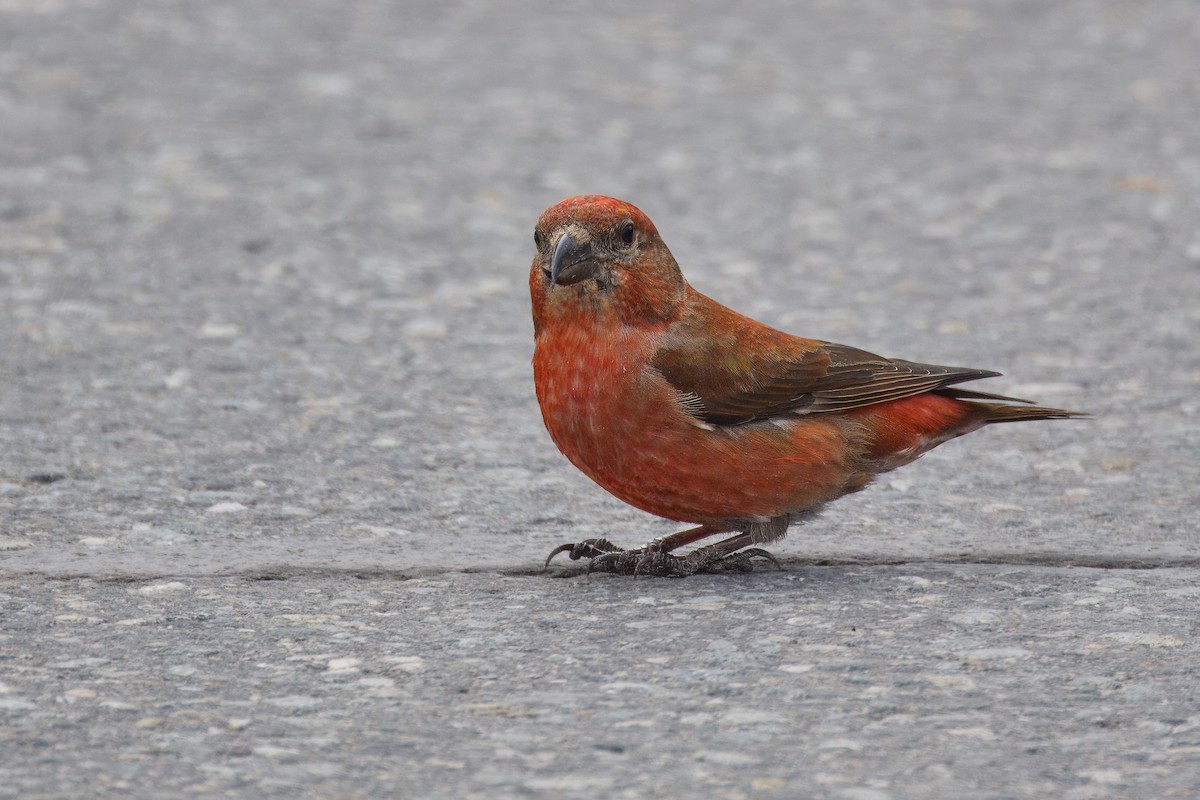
{"type": "Point", "coordinates": [690, 411]}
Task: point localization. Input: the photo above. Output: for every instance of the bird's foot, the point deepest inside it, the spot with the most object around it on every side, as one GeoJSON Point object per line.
{"type": "Point", "coordinates": [651, 560]}
{"type": "Point", "coordinates": [741, 561]}
{"type": "Point", "coordinates": [588, 548]}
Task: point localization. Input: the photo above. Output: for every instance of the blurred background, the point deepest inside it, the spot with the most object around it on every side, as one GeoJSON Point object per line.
{"type": "Point", "coordinates": [262, 265]}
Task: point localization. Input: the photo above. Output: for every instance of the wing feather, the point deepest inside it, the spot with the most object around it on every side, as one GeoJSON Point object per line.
{"type": "Point", "coordinates": [754, 372]}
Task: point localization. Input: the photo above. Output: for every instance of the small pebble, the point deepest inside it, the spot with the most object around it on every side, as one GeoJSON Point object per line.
{"type": "Point", "coordinates": [225, 508]}
{"type": "Point", "coordinates": [159, 589]}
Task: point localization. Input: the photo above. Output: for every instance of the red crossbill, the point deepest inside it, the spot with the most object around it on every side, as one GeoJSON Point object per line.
{"type": "Point", "coordinates": [690, 411]}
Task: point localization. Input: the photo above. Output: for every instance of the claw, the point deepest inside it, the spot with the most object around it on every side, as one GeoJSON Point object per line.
{"type": "Point", "coordinates": [588, 548]}
{"type": "Point", "coordinates": [562, 548]}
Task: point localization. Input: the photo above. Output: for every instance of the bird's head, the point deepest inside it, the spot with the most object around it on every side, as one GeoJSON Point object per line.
{"type": "Point", "coordinates": [604, 256]}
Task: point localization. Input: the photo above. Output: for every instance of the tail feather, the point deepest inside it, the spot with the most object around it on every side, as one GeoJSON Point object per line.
{"type": "Point", "coordinates": [999, 412]}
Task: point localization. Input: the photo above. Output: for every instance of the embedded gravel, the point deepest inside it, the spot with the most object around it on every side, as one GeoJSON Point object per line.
{"type": "Point", "coordinates": [275, 493]}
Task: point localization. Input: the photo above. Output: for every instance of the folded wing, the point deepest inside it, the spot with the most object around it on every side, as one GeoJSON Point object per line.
{"type": "Point", "coordinates": [760, 373]}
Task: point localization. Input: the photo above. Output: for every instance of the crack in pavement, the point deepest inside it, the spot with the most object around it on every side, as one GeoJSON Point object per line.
{"type": "Point", "coordinates": [282, 573]}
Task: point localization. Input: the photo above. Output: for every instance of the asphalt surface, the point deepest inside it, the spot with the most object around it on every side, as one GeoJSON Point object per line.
{"type": "Point", "coordinates": [274, 489]}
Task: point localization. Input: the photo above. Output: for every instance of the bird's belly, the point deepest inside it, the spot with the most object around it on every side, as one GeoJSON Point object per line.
{"type": "Point", "coordinates": [627, 430]}
{"type": "Point", "coordinates": [750, 473]}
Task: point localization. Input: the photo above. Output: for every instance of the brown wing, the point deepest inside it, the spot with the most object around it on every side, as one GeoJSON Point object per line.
{"type": "Point", "coordinates": [731, 370]}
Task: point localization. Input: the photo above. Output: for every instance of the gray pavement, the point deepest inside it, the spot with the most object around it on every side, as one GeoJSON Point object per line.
{"type": "Point", "coordinates": [274, 490]}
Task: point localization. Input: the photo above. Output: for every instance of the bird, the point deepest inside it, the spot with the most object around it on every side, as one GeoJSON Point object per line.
{"type": "Point", "coordinates": [691, 411]}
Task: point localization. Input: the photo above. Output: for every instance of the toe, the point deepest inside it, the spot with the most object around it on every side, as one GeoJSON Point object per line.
{"type": "Point", "coordinates": [588, 548]}
{"type": "Point", "coordinates": [758, 552]}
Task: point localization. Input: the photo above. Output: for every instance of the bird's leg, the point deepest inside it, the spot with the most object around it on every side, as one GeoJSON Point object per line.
{"type": "Point", "coordinates": [654, 558]}
{"type": "Point", "coordinates": [666, 544]}
{"type": "Point", "coordinates": [605, 554]}
{"type": "Point", "coordinates": [726, 555]}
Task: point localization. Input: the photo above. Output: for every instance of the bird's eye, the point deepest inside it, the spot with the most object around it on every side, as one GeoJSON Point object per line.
{"type": "Point", "coordinates": [627, 233]}
{"type": "Point", "coordinates": [537, 239]}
